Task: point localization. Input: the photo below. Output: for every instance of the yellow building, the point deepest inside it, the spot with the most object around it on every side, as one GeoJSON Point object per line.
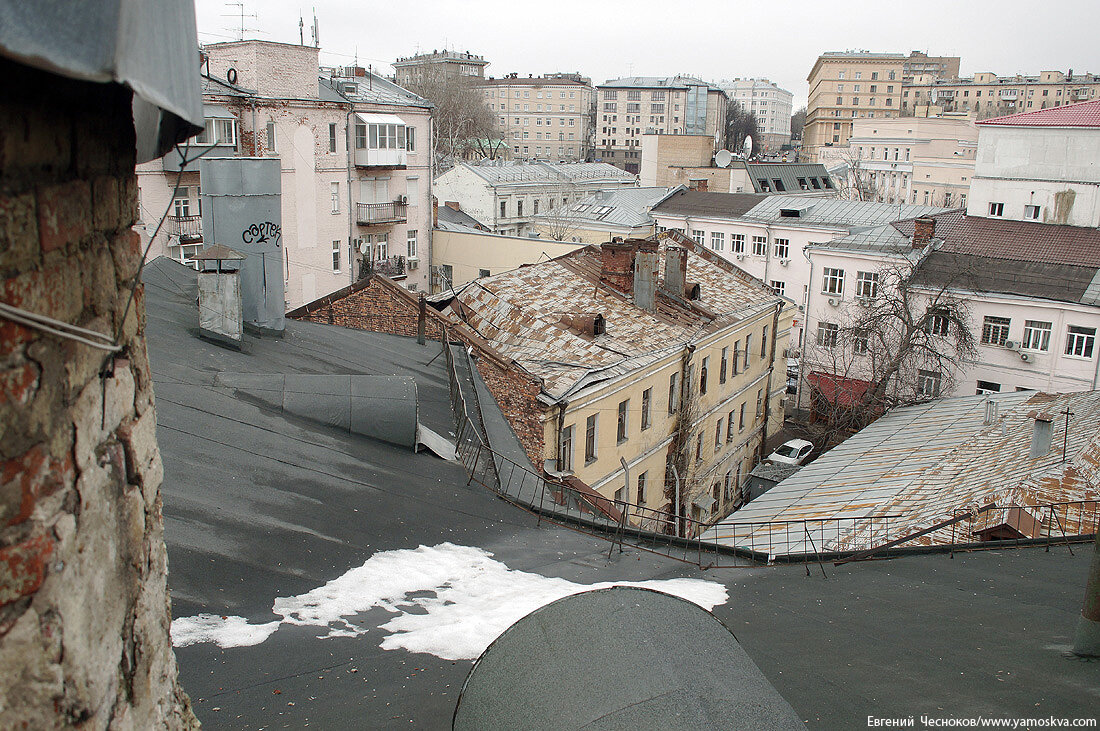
{"type": "Point", "coordinates": [849, 85]}
{"type": "Point", "coordinates": [542, 117]}
{"type": "Point", "coordinates": [986, 95]}
{"type": "Point", "coordinates": [656, 354]}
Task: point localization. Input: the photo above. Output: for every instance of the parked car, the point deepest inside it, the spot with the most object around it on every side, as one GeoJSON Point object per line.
{"type": "Point", "coordinates": [793, 452]}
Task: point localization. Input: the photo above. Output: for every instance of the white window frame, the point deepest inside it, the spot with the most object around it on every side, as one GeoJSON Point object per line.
{"type": "Point", "coordinates": [832, 281]}
{"type": "Point", "coordinates": [1037, 335]}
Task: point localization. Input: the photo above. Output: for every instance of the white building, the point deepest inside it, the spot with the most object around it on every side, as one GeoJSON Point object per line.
{"type": "Point", "coordinates": [771, 105]}
{"type": "Point", "coordinates": [355, 158]}
{"type": "Point", "coordinates": [506, 196]}
{"type": "Point", "coordinates": [767, 235]}
{"type": "Point", "coordinates": [1040, 166]}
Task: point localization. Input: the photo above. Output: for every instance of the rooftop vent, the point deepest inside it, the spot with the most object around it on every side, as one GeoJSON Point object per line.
{"type": "Point", "coordinates": [1041, 434]}
{"type": "Point", "coordinates": [219, 278]}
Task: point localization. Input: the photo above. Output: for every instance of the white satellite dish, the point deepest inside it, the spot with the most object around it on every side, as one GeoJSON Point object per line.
{"type": "Point", "coordinates": [747, 148]}
{"type": "Point", "coordinates": [722, 158]}
{"type": "Point", "coordinates": [364, 247]}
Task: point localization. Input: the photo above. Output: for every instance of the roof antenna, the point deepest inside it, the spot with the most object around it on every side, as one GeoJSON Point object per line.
{"type": "Point", "coordinates": [301, 29]}
{"type": "Point", "coordinates": [316, 35]}
{"type": "Point", "coordinates": [1065, 437]}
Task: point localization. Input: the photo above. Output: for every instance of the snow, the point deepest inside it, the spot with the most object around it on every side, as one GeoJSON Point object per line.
{"type": "Point", "coordinates": [466, 599]}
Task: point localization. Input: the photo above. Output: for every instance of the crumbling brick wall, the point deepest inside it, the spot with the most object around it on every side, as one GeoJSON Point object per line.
{"type": "Point", "coordinates": [84, 613]}
{"type": "Point", "coordinates": [375, 307]}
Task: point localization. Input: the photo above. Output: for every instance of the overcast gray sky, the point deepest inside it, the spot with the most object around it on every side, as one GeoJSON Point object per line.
{"type": "Point", "coordinates": [605, 39]}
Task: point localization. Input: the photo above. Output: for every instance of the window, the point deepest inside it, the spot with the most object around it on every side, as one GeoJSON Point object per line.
{"type": "Point", "coordinates": [271, 148]}
{"type": "Point", "coordinates": [519, 208]}
{"type": "Point", "coordinates": [410, 139]}
{"type": "Point", "coordinates": [938, 322]}
{"type": "Point", "coordinates": [928, 383]}
{"type": "Point", "coordinates": [759, 245]}
{"type": "Point", "coordinates": [647, 408]}
{"type": "Point", "coordinates": [867, 284]}
{"type": "Point", "coordinates": [482, 273]}
{"type": "Point", "coordinates": [332, 137]}
{"type": "Point", "coordinates": [1036, 335]}
{"type": "Point", "coordinates": [783, 248]}
{"type": "Point", "coordinates": [334, 194]}
{"type": "Point", "coordinates": [729, 426]}
{"type": "Point", "coordinates": [360, 137]}
{"type": "Point", "coordinates": [741, 417]}
{"type": "Point", "coordinates": [698, 236]}
{"type": "Point", "coordinates": [736, 351]}
{"type": "Point", "coordinates": [181, 204]}
{"type": "Point", "coordinates": [1031, 212]}
{"type": "Point", "coordinates": [703, 375]}
{"type": "Point", "coordinates": [861, 342]}
{"type": "Point", "coordinates": [1080, 340]}
{"type": "Point", "coordinates": [764, 342]}
{"type": "Point", "coordinates": [503, 209]}
{"type": "Point", "coordinates": [748, 349]}
{"type": "Point", "coordinates": [336, 257]}
{"type": "Point", "coordinates": [778, 287]}
{"type": "Point", "coordinates": [410, 240]}
{"type": "Point", "coordinates": [827, 334]}
{"type": "Point", "coordinates": [737, 243]}
{"type": "Point", "coordinates": [995, 330]}
{"type": "Point", "coordinates": [381, 245]}
{"type": "Point", "coordinates": [590, 439]}
{"type": "Point", "coordinates": [718, 435]}
{"type": "Point", "coordinates": [832, 281]}
{"type": "Point", "coordinates": [672, 393]}
{"type": "Point", "coordinates": [622, 424]}
{"type": "Point", "coordinates": [641, 488]}
{"type": "Point", "coordinates": [535, 207]}
{"type": "Point", "coordinates": [717, 240]}
{"type": "Point", "coordinates": [987, 387]}
{"type": "Point", "coordinates": [722, 365]}
{"type": "Point", "coordinates": [565, 450]}
{"type": "Point", "coordinates": [996, 209]}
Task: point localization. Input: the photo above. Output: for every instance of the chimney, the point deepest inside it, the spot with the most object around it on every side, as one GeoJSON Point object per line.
{"type": "Point", "coordinates": [453, 205]}
{"type": "Point", "coordinates": [646, 263]}
{"type": "Point", "coordinates": [221, 317]}
{"type": "Point", "coordinates": [676, 259]}
{"type": "Point", "coordinates": [924, 228]}
{"type": "Point", "coordinates": [1041, 434]}
{"type": "Point", "coordinates": [435, 212]}
{"type": "Point", "coordinates": [699, 184]}
{"type": "Point", "coordinates": [617, 263]}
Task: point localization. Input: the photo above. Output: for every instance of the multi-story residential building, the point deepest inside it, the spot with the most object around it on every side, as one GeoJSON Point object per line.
{"type": "Point", "coordinates": [506, 196]}
{"type": "Point", "coordinates": [543, 117]}
{"type": "Point", "coordinates": [655, 354]}
{"type": "Point", "coordinates": [771, 105]}
{"type": "Point", "coordinates": [1039, 166]}
{"type": "Point", "coordinates": [630, 107]}
{"type": "Point", "coordinates": [413, 70]}
{"type": "Point", "coordinates": [988, 95]}
{"type": "Point", "coordinates": [926, 160]}
{"type": "Point", "coordinates": [1023, 257]}
{"type": "Point", "coordinates": [767, 236]}
{"type": "Point", "coordinates": [849, 85]}
{"type": "Point", "coordinates": [355, 157]}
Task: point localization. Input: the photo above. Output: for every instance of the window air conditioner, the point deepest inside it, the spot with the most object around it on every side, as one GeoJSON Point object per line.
{"type": "Point", "coordinates": [1012, 345]}
{"type": "Point", "coordinates": [833, 301]}
{"type": "Point", "coordinates": [784, 262]}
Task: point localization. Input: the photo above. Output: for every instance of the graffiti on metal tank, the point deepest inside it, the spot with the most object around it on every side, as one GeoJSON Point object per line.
{"type": "Point", "coordinates": [262, 233]}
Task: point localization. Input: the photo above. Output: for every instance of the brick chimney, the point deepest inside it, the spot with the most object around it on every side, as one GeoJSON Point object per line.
{"type": "Point", "coordinates": [453, 205]}
{"type": "Point", "coordinates": [617, 262]}
{"type": "Point", "coordinates": [676, 259]}
{"type": "Point", "coordinates": [435, 212]}
{"type": "Point", "coordinates": [924, 228]}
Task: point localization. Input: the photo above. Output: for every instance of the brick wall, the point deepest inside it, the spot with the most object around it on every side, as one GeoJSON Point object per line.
{"type": "Point", "coordinates": [378, 306]}
{"type": "Point", "coordinates": [84, 613]}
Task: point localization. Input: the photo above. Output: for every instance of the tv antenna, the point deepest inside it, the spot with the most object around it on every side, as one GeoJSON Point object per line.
{"type": "Point", "coordinates": [239, 27]}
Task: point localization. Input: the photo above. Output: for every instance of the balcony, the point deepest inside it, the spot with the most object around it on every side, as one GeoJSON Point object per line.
{"type": "Point", "coordinates": [393, 266]}
{"type": "Point", "coordinates": [1009, 94]}
{"type": "Point", "coordinates": [187, 228]}
{"type": "Point", "coordinates": [371, 214]}
{"type": "Point", "coordinates": [1080, 94]}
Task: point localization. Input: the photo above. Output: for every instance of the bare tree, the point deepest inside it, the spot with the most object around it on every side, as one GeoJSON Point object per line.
{"type": "Point", "coordinates": [740, 123]}
{"type": "Point", "coordinates": [798, 122]}
{"type": "Point", "coordinates": [588, 147]}
{"type": "Point", "coordinates": [857, 183]}
{"type": "Point", "coordinates": [463, 122]}
{"type": "Point", "coordinates": [899, 342]}
{"type": "Point", "coordinates": [561, 222]}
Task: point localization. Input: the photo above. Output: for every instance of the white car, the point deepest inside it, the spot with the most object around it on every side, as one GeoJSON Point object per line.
{"type": "Point", "coordinates": [793, 452]}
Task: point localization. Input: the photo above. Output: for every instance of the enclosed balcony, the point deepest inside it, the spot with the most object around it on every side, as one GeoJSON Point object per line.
{"type": "Point", "coordinates": [381, 141]}
{"type": "Point", "coordinates": [1009, 94]}
{"type": "Point", "coordinates": [371, 214]}
{"type": "Point", "coordinates": [187, 228]}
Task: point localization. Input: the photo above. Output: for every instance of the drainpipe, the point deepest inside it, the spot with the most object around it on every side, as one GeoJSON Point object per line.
{"type": "Point", "coordinates": [348, 146]}
{"type": "Point", "coordinates": [768, 383]}
{"type": "Point", "coordinates": [805, 326]}
{"type": "Point", "coordinates": [562, 405]}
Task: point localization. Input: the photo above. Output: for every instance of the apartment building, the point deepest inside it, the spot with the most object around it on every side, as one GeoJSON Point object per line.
{"type": "Point", "coordinates": [413, 70]}
{"type": "Point", "coordinates": [925, 160]}
{"type": "Point", "coordinates": [630, 107]}
{"type": "Point", "coordinates": [543, 117]}
{"type": "Point", "coordinates": [988, 95]}
{"type": "Point", "coordinates": [849, 85]}
{"type": "Point", "coordinates": [506, 196]}
{"type": "Point", "coordinates": [767, 235]}
{"type": "Point", "coordinates": [655, 354]}
{"type": "Point", "coordinates": [355, 157]}
{"type": "Point", "coordinates": [771, 105]}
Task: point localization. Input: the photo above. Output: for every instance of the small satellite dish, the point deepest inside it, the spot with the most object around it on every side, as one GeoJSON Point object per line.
{"type": "Point", "coordinates": [747, 146]}
{"type": "Point", "coordinates": [723, 158]}
{"type": "Point", "coordinates": [364, 247]}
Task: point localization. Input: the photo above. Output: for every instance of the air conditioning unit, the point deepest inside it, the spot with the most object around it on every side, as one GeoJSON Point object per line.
{"type": "Point", "coordinates": [413, 262]}
{"type": "Point", "coordinates": [865, 301]}
{"type": "Point", "coordinates": [740, 257]}
{"type": "Point", "coordinates": [784, 262]}
{"type": "Point", "coordinates": [1025, 357]}
{"type": "Point", "coordinates": [834, 301]}
{"type": "Point", "coordinates": [1012, 345]}
{"type": "Point", "coordinates": [404, 199]}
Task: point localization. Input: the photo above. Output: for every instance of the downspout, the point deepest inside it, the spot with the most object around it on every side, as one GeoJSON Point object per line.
{"type": "Point", "coordinates": [562, 405]}
{"type": "Point", "coordinates": [805, 327]}
{"type": "Point", "coordinates": [348, 142]}
{"type": "Point", "coordinates": [768, 383]}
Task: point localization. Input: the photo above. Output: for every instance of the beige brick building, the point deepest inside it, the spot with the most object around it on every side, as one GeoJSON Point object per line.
{"type": "Point", "coordinates": [630, 107]}
{"type": "Point", "coordinates": [543, 117]}
{"type": "Point", "coordinates": [849, 85]}
{"type": "Point", "coordinates": [986, 95]}
{"type": "Point", "coordinates": [412, 70]}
